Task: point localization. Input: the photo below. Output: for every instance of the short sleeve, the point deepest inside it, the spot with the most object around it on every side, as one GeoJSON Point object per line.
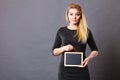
{"type": "Point", "coordinates": [91, 42]}
{"type": "Point", "coordinates": [57, 42]}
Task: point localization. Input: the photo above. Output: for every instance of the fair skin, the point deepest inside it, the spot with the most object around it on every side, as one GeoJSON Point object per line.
{"type": "Point", "coordinates": [74, 17]}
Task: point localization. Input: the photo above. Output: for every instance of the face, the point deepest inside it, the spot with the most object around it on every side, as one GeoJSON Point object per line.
{"type": "Point", "coordinates": [74, 16]}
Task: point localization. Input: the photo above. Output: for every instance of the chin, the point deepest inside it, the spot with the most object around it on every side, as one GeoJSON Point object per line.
{"type": "Point", "coordinates": [75, 23]}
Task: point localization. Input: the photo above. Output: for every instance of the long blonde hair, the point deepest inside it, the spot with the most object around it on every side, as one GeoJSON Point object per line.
{"type": "Point", "coordinates": [82, 30]}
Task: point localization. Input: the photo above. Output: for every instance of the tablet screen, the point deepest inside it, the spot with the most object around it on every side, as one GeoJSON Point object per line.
{"type": "Point", "coordinates": [73, 59]}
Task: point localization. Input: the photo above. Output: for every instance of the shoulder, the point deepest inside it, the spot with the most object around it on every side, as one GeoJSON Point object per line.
{"type": "Point", "coordinates": [89, 31]}
{"type": "Point", "coordinates": [61, 29]}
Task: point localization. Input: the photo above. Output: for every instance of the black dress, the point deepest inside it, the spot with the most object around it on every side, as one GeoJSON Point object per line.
{"type": "Point", "coordinates": [66, 36]}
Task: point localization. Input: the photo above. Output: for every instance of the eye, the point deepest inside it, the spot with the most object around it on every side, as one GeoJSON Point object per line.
{"type": "Point", "coordinates": [71, 14]}
{"type": "Point", "coordinates": [77, 14]}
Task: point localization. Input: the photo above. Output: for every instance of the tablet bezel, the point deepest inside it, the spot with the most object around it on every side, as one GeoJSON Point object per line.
{"type": "Point", "coordinates": [72, 65]}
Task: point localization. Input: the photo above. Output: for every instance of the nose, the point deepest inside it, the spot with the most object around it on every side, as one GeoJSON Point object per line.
{"type": "Point", "coordinates": [74, 16]}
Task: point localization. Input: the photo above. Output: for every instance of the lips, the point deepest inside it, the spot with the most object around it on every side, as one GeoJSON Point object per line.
{"type": "Point", "coordinates": [74, 20]}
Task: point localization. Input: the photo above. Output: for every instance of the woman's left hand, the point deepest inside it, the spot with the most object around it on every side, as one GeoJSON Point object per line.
{"type": "Point", "coordinates": [85, 62]}
{"type": "Point", "coordinates": [92, 55]}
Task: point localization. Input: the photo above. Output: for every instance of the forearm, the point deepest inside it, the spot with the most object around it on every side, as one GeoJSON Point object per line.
{"type": "Point", "coordinates": [58, 51]}
{"type": "Point", "coordinates": [93, 54]}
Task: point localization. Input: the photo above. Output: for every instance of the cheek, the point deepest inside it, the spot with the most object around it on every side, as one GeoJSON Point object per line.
{"type": "Point", "coordinates": [69, 18]}
{"type": "Point", "coordinates": [78, 17]}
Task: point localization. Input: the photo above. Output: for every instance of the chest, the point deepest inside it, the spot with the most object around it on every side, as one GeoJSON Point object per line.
{"type": "Point", "coordinates": [69, 37]}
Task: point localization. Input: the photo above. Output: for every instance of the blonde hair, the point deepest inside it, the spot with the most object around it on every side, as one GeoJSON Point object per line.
{"type": "Point", "coordinates": [82, 30]}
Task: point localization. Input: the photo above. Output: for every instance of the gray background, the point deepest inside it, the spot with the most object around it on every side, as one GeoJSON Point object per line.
{"type": "Point", "coordinates": [27, 32]}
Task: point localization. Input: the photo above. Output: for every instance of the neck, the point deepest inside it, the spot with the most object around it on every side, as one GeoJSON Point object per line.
{"type": "Point", "coordinates": [73, 27]}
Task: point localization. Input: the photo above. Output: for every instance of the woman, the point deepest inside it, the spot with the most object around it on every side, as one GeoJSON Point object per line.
{"type": "Point", "coordinates": [74, 37]}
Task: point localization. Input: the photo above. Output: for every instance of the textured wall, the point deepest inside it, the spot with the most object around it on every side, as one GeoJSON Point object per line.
{"type": "Point", "coordinates": [27, 32]}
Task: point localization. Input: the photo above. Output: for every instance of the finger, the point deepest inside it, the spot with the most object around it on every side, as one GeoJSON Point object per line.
{"type": "Point", "coordinates": [85, 63]}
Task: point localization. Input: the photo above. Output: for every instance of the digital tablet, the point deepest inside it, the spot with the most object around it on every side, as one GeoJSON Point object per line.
{"type": "Point", "coordinates": [73, 59]}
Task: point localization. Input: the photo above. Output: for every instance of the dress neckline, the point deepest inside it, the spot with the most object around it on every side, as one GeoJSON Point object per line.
{"type": "Point", "coordinates": [70, 29]}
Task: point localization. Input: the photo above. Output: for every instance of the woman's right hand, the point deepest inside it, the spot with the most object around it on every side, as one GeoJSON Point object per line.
{"type": "Point", "coordinates": [58, 51]}
{"type": "Point", "coordinates": [68, 47]}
